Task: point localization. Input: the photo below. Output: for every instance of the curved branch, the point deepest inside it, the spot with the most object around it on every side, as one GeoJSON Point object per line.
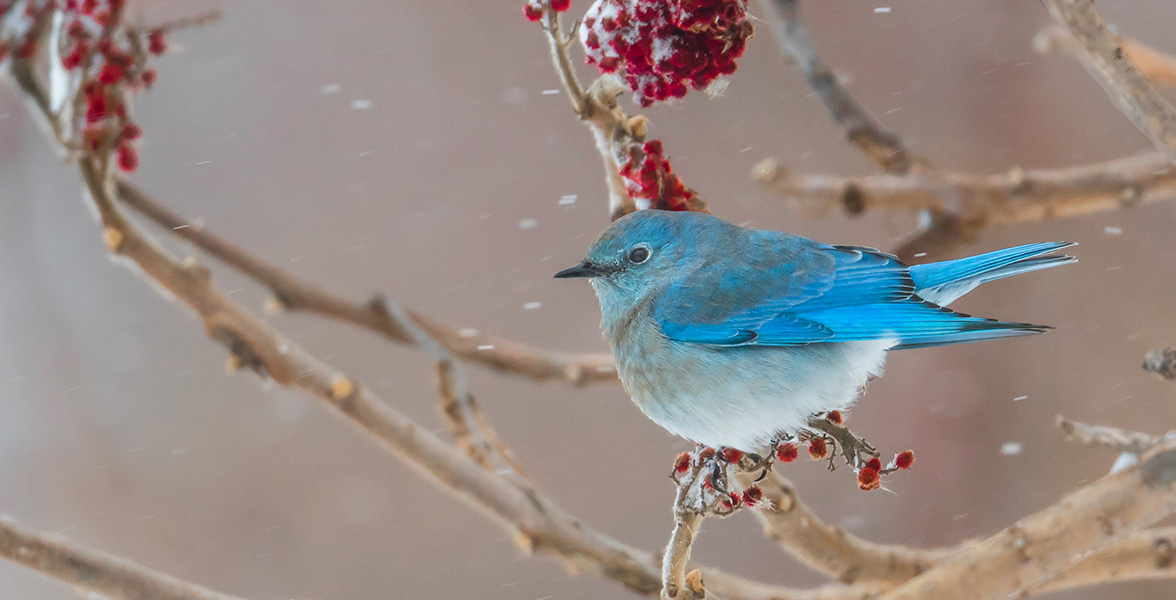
{"type": "Point", "coordinates": [1122, 80]}
{"type": "Point", "coordinates": [300, 295]}
{"type": "Point", "coordinates": [831, 550]}
{"type": "Point", "coordinates": [93, 570]}
{"type": "Point", "coordinates": [1044, 544]}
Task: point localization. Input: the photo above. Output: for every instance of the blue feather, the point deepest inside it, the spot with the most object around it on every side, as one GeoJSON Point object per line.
{"type": "Point", "coordinates": [944, 282]}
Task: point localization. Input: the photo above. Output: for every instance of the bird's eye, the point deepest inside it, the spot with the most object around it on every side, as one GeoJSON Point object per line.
{"type": "Point", "coordinates": [639, 255]}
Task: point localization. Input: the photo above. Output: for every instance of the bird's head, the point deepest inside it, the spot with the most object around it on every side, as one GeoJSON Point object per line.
{"type": "Point", "coordinates": [638, 252]}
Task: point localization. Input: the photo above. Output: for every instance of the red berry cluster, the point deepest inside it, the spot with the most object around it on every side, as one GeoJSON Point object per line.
{"type": "Point", "coordinates": [662, 46]}
{"type": "Point", "coordinates": [648, 176]}
{"type": "Point", "coordinates": [533, 9]}
{"type": "Point", "coordinates": [111, 65]}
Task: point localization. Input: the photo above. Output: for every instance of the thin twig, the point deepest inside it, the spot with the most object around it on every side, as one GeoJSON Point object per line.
{"type": "Point", "coordinates": [301, 295]}
{"type": "Point", "coordinates": [470, 429]}
{"type": "Point", "coordinates": [880, 145]}
{"type": "Point", "coordinates": [1042, 545]}
{"type": "Point", "coordinates": [1158, 67]}
{"type": "Point", "coordinates": [1122, 80]}
{"type": "Point", "coordinates": [1112, 438]}
{"type": "Point", "coordinates": [597, 106]}
{"type": "Point", "coordinates": [92, 570]}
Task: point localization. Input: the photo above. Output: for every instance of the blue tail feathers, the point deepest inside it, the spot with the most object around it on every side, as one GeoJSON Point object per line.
{"type": "Point", "coordinates": [944, 282]}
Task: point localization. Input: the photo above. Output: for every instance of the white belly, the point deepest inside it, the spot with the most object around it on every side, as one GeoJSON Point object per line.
{"type": "Point", "coordinates": [744, 397]}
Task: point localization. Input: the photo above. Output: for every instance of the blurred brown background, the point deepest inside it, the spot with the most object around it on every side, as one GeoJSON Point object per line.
{"type": "Point", "coordinates": [399, 146]}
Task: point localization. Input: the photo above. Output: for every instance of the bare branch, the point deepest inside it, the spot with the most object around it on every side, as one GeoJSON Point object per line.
{"type": "Point", "coordinates": [1162, 362]}
{"type": "Point", "coordinates": [93, 570]}
{"type": "Point", "coordinates": [1158, 67]}
{"type": "Point", "coordinates": [980, 201]}
{"type": "Point", "coordinates": [882, 146]}
{"type": "Point", "coordinates": [300, 295]}
{"type": "Point", "coordinates": [1107, 437]}
{"type": "Point", "coordinates": [1145, 555]}
{"type": "Point", "coordinates": [1017, 196]}
{"type": "Point", "coordinates": [597, 106]}
{"type": "Point", "coordinates": [470, 429]}
{"type": "Point", "coordinates": [1043, 544]}
{"type": "Point", "coordinates": [1122, 80]}
{"type": "Point", "coordinates": [677, 554]}
{"type": "Point", "coordinates": [831, 550]}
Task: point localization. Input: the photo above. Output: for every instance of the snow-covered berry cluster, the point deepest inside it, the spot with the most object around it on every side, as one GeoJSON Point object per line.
{"type": "Point", "coordinates": [648, 176]}
{"type": "Point", "coordinates": [663, 46]}
{"type": "Point", "coordinates": [89, 48]}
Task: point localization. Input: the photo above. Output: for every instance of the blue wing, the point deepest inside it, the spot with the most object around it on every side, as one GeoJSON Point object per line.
{"type": "Point", "coordinates": [791, 291]}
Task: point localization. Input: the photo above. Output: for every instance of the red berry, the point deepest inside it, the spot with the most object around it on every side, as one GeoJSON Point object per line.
{"type": "Point", "coordinates": [95, 107]}
{"type": "Point", "coordinates": [88, 6]}
{"type": "Point", "coordinates": [834, 416]}
{"type": "Point", "coordinates": [874, 464]}
{"type": "Point", "coordinates": [148, 77]}
{"type": "Point", "coordinates": [131, 131]}
{"type": "Point", "coordinates": [128, 158]}
{"type": "Point", "coordinates": [156, 42]}
{"type": "Point", "coordinates": [682, 463]}
{"type": "Point", "coordinates": [560, 5]}
{"type": "Point", "coordinates": [533, 12]}
{"type": "Point", "coordinates": [110, 74]}
{"type": "Point", "coordinates": [868, 479]}
{"type": "Point", "coordinates": [905, 459]}
{"type": "Point", "coordinates": [706, 454]}
{"type": "Point", "coordinates": [732, 455]}
{"type": "Point", "coordinates": [787, 452]}
{"type": "Point", "coordinates": [752, 495]}
{"type": "Point", "coordinates": [818, 449]}
{"type": "Point", "coordinates": [731, 501]}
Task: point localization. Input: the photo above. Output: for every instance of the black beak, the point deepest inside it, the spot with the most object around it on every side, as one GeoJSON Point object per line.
{"type": "Point", "coordinates": [584, 269]}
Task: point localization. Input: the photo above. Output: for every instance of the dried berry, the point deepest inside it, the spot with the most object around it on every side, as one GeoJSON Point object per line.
{"type": "Point", "coordinates": [732, 455]}
{"type": "Point", "coordinates": [905, 459]}
{"type": "Point", "coordinates": [787, 452]}
{"type": "Point", "coordinates": [752, 495]}
{"type": "Point", "coordinates": [818, 448]}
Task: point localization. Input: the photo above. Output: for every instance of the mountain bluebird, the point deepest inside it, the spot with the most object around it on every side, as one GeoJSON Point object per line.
{"type": "Point", "coordinates": [733, 337]}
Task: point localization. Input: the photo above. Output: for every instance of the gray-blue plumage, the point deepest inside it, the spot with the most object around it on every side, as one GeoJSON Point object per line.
{"type": "Point", "coordinates": [730, 336]}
